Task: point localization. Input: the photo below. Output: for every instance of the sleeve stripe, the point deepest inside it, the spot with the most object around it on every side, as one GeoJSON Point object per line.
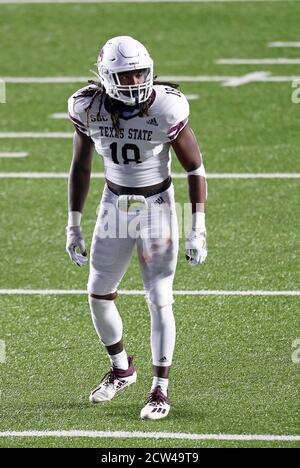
{"type": "Point", "coordinates": [174, 131]}
{"type": "Point", "coordinates": [76, 122]}
{"type": "Point", "coordinates": [81, 129]}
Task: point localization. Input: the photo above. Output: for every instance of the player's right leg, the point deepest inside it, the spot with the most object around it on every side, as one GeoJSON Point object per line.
{"type": "Point", "coordinates": [109, 260]}
{"type": "Point", "coordinates": [109, 327]}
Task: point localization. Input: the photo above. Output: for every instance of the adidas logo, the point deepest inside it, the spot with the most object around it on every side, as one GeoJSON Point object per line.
{"type": "Point", "coordinates": [163, 359]}
{"type": "Point", "coordinates": [152, 122]}
{"type": "Point", "coordinates": [159, 200]}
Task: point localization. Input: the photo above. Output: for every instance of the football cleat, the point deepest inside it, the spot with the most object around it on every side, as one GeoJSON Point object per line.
{"type": "Point", "coordinates": [114, 382]}
{"type": "Point", "coordinates": [157, 405]}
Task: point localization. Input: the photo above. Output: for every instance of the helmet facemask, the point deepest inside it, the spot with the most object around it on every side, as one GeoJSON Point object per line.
{"type": "Point", "coordinates": [132, 94]}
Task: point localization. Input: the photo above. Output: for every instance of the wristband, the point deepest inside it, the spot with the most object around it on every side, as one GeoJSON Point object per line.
{"type": "Point", "coordinates": [198, 221]}
{"type": "Point", "coordinates": [74, 218]}
{"type": "Point", "coordinates": [200, 171]}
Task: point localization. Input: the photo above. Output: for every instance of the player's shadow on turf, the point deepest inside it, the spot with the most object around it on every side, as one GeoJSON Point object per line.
{"type": "Point", "coordinates": [184, 414]}
{"type": "Point", "coordinates": [131, 412]}
{"type": "Point", "coordinates": [111, 409]}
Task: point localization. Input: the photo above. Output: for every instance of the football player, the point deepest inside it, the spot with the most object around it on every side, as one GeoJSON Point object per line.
{"type": "Point", "coordinates": [133, 122]}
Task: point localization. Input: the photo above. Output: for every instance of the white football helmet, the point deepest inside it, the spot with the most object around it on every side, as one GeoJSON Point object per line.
{"type": "Point", "coordinates": [123, 54]}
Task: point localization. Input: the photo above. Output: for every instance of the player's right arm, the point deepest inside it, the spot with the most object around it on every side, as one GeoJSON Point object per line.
{"type": "Point", "coordinates": [80, 172]}
{"type": "Point", "coordinates": [78, 187]}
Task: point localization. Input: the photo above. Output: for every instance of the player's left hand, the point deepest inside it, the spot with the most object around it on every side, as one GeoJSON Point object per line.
{"type": "Point", "coordinates": [196, 248]}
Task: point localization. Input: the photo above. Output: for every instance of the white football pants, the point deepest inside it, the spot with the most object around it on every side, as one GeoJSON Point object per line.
{"type": "Point", "coordinates": [154, 231]}
{"type": "Point", "coordinates": [155, 234]}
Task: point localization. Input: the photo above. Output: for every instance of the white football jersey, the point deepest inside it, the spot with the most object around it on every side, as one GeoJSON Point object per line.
{"type": "Point", "coordinates": [140, 155]}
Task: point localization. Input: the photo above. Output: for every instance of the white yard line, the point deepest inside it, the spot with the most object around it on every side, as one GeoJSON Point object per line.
{"type": "Point", "coordinates": [36, 135]}
{"type": "Point", "coordinates": [153, 435]}
{"type": "Point", "coordinates": [265, 61]}
{"type": "Point", "coordinates": [279, 79]}
{"type": "Point", "coordinates": [265, 77]}
{"type": "Point", "coordinates": [59, 115]}
{"type": "Point", "coordinates": [7, 154]}
{"type": "Point", "coordinates": [249, 78]}
{"type": "Point", "coordinates": [192, 97]}
{"type": "Point", "coordinates": [224, 79]}
{"type": "Point", "coordinates": [140, 292]}
{"type": "Point", "coordinates": [8, 2]}
{"type": "Point", "coordinates": [42, 175]}
{"type": "Point", "coordinates": [101, 175]}
{"type": "Point", "coordinates": [273, 175]}
{"type": "Point", "coordinates": [84, 79]}
{"type": "Point", "coordinates": [45, 79]}
{"type": "Point", "coordinates": [284, 44]}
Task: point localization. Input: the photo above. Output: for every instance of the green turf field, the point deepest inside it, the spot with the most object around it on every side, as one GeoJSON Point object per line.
{"type": "Point", "coordinates": [233, 371]}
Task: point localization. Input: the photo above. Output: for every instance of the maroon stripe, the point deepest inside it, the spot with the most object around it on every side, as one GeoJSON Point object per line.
{"type": "Point", "coordinates": [177, 127]}
{"type": "Point", "coordinates": [152, 98]}
{"type": "Point", "coordinates": [81, 129]}
{"type": "Point", "coordinates": [76, 121]}
{"type": "Point", "coordinates": [180, 127]}
{"type": "Point", "coordinates": [174, 134]}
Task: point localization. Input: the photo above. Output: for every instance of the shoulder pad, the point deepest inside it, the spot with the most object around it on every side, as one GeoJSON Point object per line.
{"type": "Point", "coordinates": [173, 108]}
{"type": "Point", "coordinates": [82, 98]}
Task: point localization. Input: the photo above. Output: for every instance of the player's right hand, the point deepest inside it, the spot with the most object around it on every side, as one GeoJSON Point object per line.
{"type": "Point", "coordinates": [196, 248]}
{"type": "Point", "coordinates": [75, 241]}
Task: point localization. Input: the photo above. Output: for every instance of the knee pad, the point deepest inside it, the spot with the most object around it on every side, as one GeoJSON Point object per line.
{"type": "Point", "coordinates": [160, 296]}
{"type": "Point", "coordinates": [101, 284]}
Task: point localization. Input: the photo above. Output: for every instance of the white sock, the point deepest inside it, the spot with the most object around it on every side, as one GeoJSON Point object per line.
{"type": "Point", "coordinates": [162, 383]}
{"type": "Point", "coordinates": [119, 360]}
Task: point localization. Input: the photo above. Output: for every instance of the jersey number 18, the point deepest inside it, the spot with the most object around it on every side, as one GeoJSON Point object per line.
{"type": "Point", "coordinates": [130, 153]}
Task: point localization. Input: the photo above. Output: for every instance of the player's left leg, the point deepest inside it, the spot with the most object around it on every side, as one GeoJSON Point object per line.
{"type": "Point", "coordinates": [163, 336]}
{"type": "Point", "coordinates": [158, 250]}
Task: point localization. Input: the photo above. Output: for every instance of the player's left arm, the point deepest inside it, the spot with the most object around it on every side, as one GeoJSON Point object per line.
{"type": "Point", "coordinates": [189, 156]}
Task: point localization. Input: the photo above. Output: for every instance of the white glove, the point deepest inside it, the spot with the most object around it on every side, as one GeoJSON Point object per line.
{"type": "Point", "coordinates": [196, 247]}
{"type": "Point", "coordinates": [75, 240]}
